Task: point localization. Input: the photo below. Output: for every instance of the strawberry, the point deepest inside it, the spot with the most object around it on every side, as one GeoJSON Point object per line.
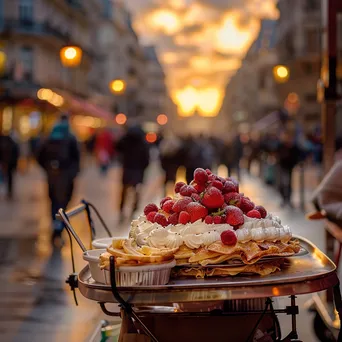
{"type": "Point", "coordinates": [164, 200]}
{"type": "Point", "coordinates": [208, 171]}
{"type": "Point", "coordinates": [200, 176]}
{"type": "Point", "coordinates": [217, 219]}
{"type": "Point", "coordinates": [221, 179]}
{"type": "Point", "coordinates": [212, 198]}
{"type": "Point", "coordinates": [211, 178]}
{"type": "Point", "coordinates": [196, 197]}
{"type": "Point", "coordinates": [208, 220]}
{"type": "Point", "coordinates": [261, 210]}
{"type": "Point", "coordinates": [160, 219]}
{"type": "Point", "coordinates": [231, 179]}
{"type": "Point", "coordinates": [150, 216]}
{"type": "Point", "coordinates": [187, 190]}
{"type": "Point", "coordinates": [234, 216]}
{"type": "Point", "coordinates": [199, 187]}
{"type": "Point", "coordinates": [246, 205]}
{"type": "Point", "coordinates": [167, 206]}
{"type": "Point", "coordinates": [197, 211]}
{"type": "Point", "coordinates": [173, 219]}
{"type": "Point", "coordinates": [150, 207]}
{"type": "Point", "coordinates": [217, 184]}
{"type": "Point", "coordinates": [228, 187]}
{"type": "Point", "coordinates": [233, 198]}
{"type": "Point", "coordinates": [254, 214]}
{"type": "Point", "coordinates": [178, 186]}
{"type": "Point", "coordinates": [181, 204]}
{"type": "Point", "coordinates": [184, 217]}
{"type": "Point", "coordinates": [228, 237]}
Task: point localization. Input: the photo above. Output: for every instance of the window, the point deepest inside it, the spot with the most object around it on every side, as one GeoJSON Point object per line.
{"type": "Point", "coordinates": [26, 58]}
{"type": "Point", "coordinates": [26, 11]}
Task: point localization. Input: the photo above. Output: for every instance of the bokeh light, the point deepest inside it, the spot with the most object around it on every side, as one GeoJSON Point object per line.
{"type": "Point", "coordinates": [281, 73]}
{"type": "Point", "coordinates": [151, 137]}
{"type": "Point", "coordinates": [162, 119]}
{"type": "Point", "coordinates": [117, 86]}
{"type": "Point", "coordinates": [165, 20]}
{"type": "Point", "coordinates": [71, 56]}
{"type": "Point", "coordinates": [121, 119]}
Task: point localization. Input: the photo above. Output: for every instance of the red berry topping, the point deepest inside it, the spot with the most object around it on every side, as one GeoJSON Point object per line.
{"type": "Point", "coordinates": [228, 187]}
{"type": "Point", "coordinates": [228, 237]}
{"type": "Point", "coordinates": [161, 219]}
{"type": "Point", "coordinates": [254, 213]}
{"type": "Point", "coordinates": [208, 171]}
{"type": "Point", "coordinates": [164, 200]}
{"type": "Point", "coordinates": [232, 198]}
{"type": "Point", "coordinates": [217, 184]}
{"type": "Point", "coordinates": [167, 206]}
{"type": "Point", "coordinates": [184, 217]}
{"type": "Point", "coordinates": [150, 216]}
{"type": "Point", "coordinates": [211, 178]}
{"type": "Point", "coordinates": [221, 179]}
{"type": "Point", "coordinates": [196, 197]}
{"type": "Point", "coordinates": [261, 210]}
{"type": "Point", "coordinates": [217, 219]}
{"type": "Point", "coordinates": [197, 211]}
{"type": "Point", "coordinates": [187, 190]}
{"type": "Point", "coordinates": [178, 186]}
{"type": "Point", "coordinates": [150, 207]}
{"type": "Point", "coordinates": [181, 204]}
{"type": "Point", "coordinates": [246, 205]}
{"type": "Point", "coordinates": [234, 216]}
{"type": "Point", "coordinates": [208, 219]}
{"type": "Point", "coordinates": [212, 198]}
{"type": "Point", "coordinates": [199, 187]}
{"type": "Point", "coordinates": [173, 219]}
{"type": "Point", "coordinates": [200, 176]}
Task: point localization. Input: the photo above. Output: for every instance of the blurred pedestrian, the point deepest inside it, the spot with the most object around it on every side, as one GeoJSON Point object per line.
{"type": "Point", "coordinates": [134, 154]}
{"type": "Point", "coordinates": [288, 155]}
{"type": "Point", "coordinates": [59, 156]}
{"type": "Point", "coordinates": [104, 149]}
{"type": "Point", "coordinates": [233, 155]}
{"type": "Point", "coordinates": [9, 156]}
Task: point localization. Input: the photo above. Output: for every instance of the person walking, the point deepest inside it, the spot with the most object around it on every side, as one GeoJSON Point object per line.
{"type": "Point", "coordinates": [104, 149]}
{"type": "Point", "coordinates": [59, 156]}
{"type": "Point", "coordinates": [134, 155]}
{"type": "Point", "coordinates": [9, 156]}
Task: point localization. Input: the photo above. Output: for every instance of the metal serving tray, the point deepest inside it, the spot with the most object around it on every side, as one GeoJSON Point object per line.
{"type": "Point", "coordinates": [308, 273]}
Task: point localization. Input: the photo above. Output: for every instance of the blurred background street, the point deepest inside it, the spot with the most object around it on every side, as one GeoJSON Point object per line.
{"type": "Point", "coordinates": [114, 101]}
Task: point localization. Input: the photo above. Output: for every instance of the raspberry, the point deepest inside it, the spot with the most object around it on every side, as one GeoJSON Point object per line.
{"type": "Point", "coordinates": [197, 211]}
{"type": "Point", "coordinates": [228, 237]}
{"type": "Point", "coordinates": [217, 184]}
{"type": "Point", "coordinates": [234, 216]}
{"type": "Point", "coordinates": [164, 200]}
{"type": "Point", "coordinates": [208, 171]}
{"type": "Point", "coordinates": [173, 219]}
{"type": "Point", "coordinates": [228, 187]}
{"type": "Point", "coordinates": [254, 214]}
{"type": "Point", "coordinates": [181, 204]}
{"type": "Point", "coordinates": [233, 198]}
{"type": "Point", "coordinates": [217, 220]}
{"type": "Point", "coordinates": [167, 206]}
{"type": "Point", "coordinates": [184, 217]}
{"type": "Point", "coordinates": [187, 190]}
{"type": "Point", "coordinates": [200, 176]}
{"type": "Point", "coordinates": [161, 219]}
{"type": "Point", "coordinates": [211, 178]}
{"type": "Point", "coordinates": [246, 205]}
{"type": "Point", "coordinates": [208, 220]}
{"type": "Point", "coordinates": [212, 198]}
{"type": "Point", "coordinates": [150, 216]}
{"type": "Point", "coordinates": [178, 186]}
{"type": "Point", "coordinates": [196, 197]}
{"type": "Point", "coordinates": [150, 207]}
{"type": "Point", "coordinates": [261, 210]}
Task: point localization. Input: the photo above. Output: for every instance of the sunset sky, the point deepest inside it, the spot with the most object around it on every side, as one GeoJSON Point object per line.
{"type": "Point", "coordinates": [200, 44]}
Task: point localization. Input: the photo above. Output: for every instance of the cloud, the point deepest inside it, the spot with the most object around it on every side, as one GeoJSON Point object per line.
{"type": "Point", "coordinates": [200, 42]}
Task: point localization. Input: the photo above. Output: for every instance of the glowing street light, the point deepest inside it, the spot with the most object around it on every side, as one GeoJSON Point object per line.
{"type": "Point", "coordinates": [162, 119]}
{"type": "Point", "coordinates": [281, 73]}
{"type": "Point", "coordinates": [151, 137]}
{"type": "Point", "coordinates": [71, 56]}
{"type": "Point", "coordinates": [117, 86]}
{"type": "Point", "coordinates": [121, 119]}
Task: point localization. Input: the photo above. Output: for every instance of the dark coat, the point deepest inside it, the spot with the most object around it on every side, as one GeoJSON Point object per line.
{"type": "Point", "coordinates": [9, 152]}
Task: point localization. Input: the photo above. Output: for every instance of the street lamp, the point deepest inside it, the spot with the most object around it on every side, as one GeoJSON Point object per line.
{"type": "Point", "coordinates": [281, 73]}
{"type": "Point", "coordinates": [71, 56]}
{"type": "Point", "coordinates": [117, 86]}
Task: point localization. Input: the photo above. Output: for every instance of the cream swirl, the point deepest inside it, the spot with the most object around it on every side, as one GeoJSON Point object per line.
{"type": "Point", "coordinates": [193, 241]}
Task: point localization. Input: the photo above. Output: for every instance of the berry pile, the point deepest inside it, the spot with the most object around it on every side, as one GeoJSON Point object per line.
{"type": "Point", "coordinates": [210, 198]}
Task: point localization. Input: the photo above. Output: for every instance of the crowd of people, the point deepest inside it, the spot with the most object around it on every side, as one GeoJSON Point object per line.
{"type": "Point", "coordinates": [59, 155]}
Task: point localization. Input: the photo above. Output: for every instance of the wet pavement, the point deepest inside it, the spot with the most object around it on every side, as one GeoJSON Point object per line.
{"type": "Point", "coordinates": [35, 302]}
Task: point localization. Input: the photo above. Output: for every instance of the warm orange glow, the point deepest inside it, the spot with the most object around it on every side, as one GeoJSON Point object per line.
{"type": "Point", "coordinates": [151, 137]}
{"type": "Point", "coordinates": [3, 59]}
{"type": "Point", "coordinates": [117, 86]}
{"type": "Point", "coordinates": [209, 101]}
{"type": "Point", "coordinates": [293, 98]}
{"type": "Point", "coordinates": [71, 56]}
{"type": "Point", "coordinates": [50, 96]}
{"type": "Point", "coordinates": [121, 119]}
{"type": "Point", "coordinates": [281, 73]}
{"type": "Point", "coordinates": [165, 20]}
{"type": "Point", "coordinates": [186, 99]}
{"type": "Point", "coordinates": [162, 119]}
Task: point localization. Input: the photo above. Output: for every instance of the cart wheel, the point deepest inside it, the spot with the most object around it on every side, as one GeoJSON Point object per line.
{"type": "Point", "coordinates": [321, 330]}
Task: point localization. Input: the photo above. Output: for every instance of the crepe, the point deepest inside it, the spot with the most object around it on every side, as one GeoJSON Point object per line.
{"type": "Point", "coordinates": [203, 254]}
{"type": "Point", "coordinates": [184, 252]}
